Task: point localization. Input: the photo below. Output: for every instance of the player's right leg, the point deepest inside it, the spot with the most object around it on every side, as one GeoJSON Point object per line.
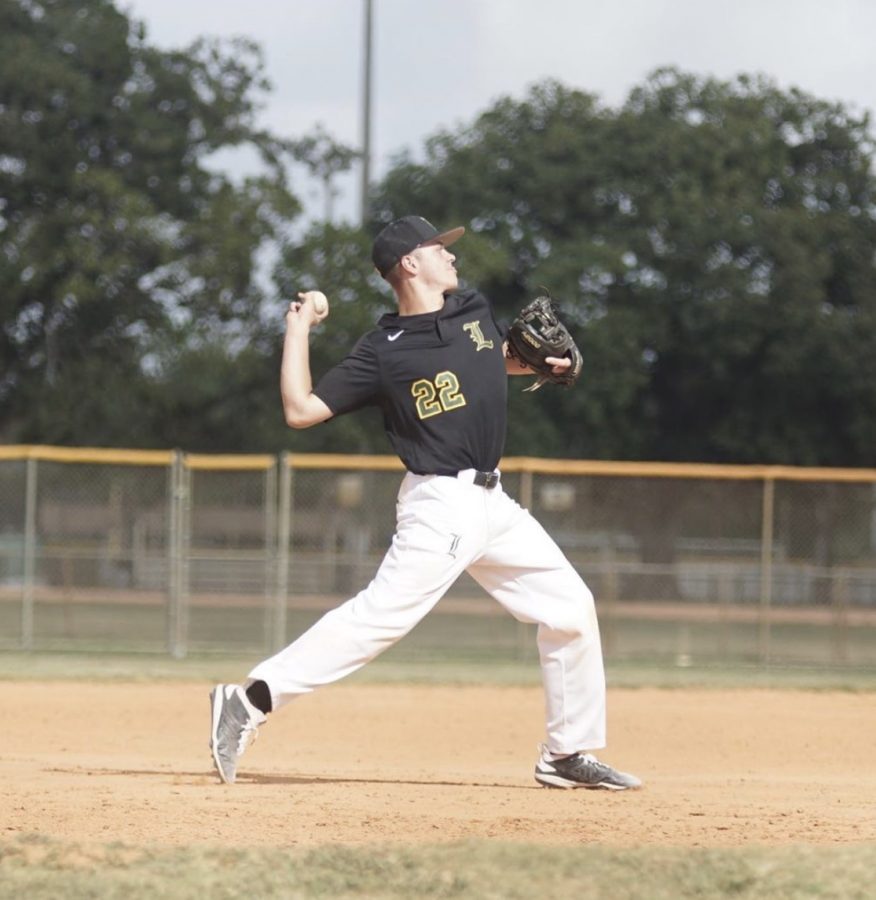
{"type": "Point", "coordinates": [440, 523]}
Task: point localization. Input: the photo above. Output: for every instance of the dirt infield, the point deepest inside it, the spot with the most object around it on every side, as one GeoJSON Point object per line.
{"type": "Point", "coordinates": [99, 762]}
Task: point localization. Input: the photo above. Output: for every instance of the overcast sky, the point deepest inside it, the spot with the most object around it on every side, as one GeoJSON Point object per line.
{"type": "Point", "coordinates": [438, 64]}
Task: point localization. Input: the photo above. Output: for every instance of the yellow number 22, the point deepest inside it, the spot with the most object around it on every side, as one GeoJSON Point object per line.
{"type": "Point", "coordinates": [437, 396]}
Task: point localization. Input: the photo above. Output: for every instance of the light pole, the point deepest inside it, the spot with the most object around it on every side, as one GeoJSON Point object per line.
{"type": "Point", "coordinates": [366, 110]}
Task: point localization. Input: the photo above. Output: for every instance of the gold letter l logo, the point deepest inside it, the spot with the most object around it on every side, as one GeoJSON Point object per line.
{"type": "Point", "coordinates": [475, 333]}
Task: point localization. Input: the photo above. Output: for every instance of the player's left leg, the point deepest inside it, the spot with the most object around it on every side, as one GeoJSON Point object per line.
{"type": "Point", "coordinates": [525, 570]}
{"type": "Point", "coordinates": [439, 530]}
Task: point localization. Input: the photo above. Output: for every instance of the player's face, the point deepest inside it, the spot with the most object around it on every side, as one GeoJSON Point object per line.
{"type": "Point", "coordinates": [436, 266]}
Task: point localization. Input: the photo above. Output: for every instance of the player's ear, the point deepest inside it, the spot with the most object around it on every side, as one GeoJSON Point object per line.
{"type": "Point", "coordinates": [409, 264]}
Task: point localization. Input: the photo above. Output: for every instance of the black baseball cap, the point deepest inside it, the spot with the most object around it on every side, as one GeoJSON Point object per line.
{"type": "Point", "coordinates": [404, 235]}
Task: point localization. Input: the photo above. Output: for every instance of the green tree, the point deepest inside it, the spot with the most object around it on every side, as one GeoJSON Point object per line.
{"type": "Point", "coordinates": [711, 245]}
{"type": "Point", "coordinates": [759, 244]}
{"type": "Point", "coordinates": [117, 239]}
{"type": "Point", "coordinates": [325, 158]}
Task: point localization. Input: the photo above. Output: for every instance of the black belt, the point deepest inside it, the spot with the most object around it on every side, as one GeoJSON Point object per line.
{"type": "Point", "coordinates": [486, 479]}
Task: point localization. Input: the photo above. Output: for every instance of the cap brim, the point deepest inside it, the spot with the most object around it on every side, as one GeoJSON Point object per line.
{"type": "Point", "coordinates": [446, 237]}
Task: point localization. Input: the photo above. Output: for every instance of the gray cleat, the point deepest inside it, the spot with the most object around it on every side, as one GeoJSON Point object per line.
{"type": "Point", "coordinates": [581, 770]}
{"type": "Point", "coordinates": [234, 727]}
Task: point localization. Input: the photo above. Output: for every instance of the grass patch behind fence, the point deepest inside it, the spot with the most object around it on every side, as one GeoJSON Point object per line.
{"type": "Point", "coordinates": [661, 633]}
{"type": "Point", "coordinates": [428, 669]}
{"type": "Point", "coordinates": [41, 869]}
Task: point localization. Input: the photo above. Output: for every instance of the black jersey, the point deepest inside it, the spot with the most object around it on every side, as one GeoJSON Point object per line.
{"type": "Point", "coordinates": [440, 380]}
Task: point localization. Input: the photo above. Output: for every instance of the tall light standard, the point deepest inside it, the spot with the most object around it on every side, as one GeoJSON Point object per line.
{"type": "Point", "coordinates": [366, 111]}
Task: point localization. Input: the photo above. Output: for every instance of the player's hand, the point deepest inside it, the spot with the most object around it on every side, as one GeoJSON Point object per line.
{"type": "Point", "coordinates": [560, 364]}
{"type": "Point", "coordinates": [309, 309]}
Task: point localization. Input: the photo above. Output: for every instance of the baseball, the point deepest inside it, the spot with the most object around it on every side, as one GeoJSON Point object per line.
{"type": "Point", "coordinates": [318, 300]}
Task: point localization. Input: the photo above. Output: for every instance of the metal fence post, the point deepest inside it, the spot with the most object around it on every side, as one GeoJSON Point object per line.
{"type": "Point", "coordinates": [270, 547]}
{"type": "Point", "coordinates": [172, 550]}
{"type": "Point", "coordinates": [840, 623]}
{"type": "Point", "coordinates": [177, 545]}
{"type": "Point", "coordinates": [725, 598]}
{"type": "Point", "coordinates": [526, 489]}
{"type": "Point", "coordinates": [284, 534]}
{"type": "Point", "coordinates": [526, 500]}
{"type": "Point", "coordinates": [30, 537]}
{"type": "Point", "coordinates": [184, 557]}
{"type": "Point", "coordinates": [766, 569]}
{"type": "Point", "coordinates": [609, 593]}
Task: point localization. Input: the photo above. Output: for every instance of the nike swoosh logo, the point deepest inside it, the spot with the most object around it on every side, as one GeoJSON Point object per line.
{"type": "Point", "coordinates": [398, 334]}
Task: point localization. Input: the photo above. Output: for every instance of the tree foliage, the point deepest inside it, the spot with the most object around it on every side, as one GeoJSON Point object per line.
{"type": "Point", "coordinates": [712, 243]}
{"type": "Point", "coordinates": [120, 246]}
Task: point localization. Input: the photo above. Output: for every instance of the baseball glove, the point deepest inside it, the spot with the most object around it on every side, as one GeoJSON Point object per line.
{"type": "Point", "coordinates": [535, 335]}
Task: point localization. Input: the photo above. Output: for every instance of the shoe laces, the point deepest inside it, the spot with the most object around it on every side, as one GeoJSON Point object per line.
{"type": "Point", "coordinates": [585, 762]}
{"type": "Point", "coordinates": [248, 736]}
{"type": "Point", "coordinates": [574, 758]}
{"type": "Point", "coordinates": [250, 729]}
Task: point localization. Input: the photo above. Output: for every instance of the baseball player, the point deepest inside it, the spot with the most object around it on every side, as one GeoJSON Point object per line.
{"type": "Point", "coordinates": [438, 370]}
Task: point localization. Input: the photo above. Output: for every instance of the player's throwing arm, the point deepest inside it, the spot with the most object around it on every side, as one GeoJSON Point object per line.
{"type": "Point", "coordinates": [301, 407]}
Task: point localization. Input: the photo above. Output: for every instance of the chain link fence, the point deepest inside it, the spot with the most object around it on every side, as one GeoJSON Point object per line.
{"type": "Point", "coordinates": [179, 553]}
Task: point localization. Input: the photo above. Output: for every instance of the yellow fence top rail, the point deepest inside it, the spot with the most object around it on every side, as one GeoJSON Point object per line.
{"type": "Point", "coordinates": [385, 463]}
{"type": "Point", "coordinates": [539, 466]}
{"type": "Point", "coordinates": [683, 470]}
{"type": "Point", "coordinates": [229, 461]}
{"type": "Point", "coordinates": [343, 461]}
{"type": "Point", "coordinates": [101, 455]}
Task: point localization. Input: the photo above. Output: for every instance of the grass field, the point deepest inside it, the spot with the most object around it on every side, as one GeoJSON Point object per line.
{"type": "Point", "coordinates": [38, 867]}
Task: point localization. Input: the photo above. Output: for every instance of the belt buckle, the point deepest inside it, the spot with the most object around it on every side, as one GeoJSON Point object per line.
{"type": "Point", "coordinates": [487, 479]}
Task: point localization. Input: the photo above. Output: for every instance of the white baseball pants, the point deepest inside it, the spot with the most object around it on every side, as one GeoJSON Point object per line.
{"type": "Point", "coordinates": [446, 525]}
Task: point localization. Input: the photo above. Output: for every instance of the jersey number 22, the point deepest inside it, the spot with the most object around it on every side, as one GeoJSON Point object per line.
{"type": "Point", "coordinates": [438, 396]}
